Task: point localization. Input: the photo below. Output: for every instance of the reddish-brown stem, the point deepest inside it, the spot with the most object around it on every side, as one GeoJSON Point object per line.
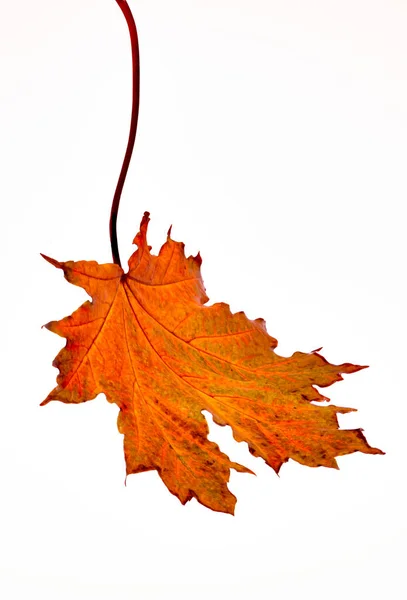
{"type": "Point", "coordinates": [133, 128]}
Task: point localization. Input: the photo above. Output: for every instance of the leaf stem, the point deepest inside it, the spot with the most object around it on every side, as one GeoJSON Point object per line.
{"type": "Point", "coordinates": [133, 128]}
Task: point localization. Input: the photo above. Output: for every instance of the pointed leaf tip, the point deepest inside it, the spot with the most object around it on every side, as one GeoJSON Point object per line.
{"type": "Point", "coordinates": [54, 262]}
{"type": "Point", "coordinates": [141, 238]}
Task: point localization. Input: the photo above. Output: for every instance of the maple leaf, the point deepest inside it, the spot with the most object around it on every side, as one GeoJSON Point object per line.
{"type": "Point", "coordinates": [149, 343]}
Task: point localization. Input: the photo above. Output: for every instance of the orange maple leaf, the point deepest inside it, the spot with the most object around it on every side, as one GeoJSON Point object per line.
{"type": "Point", "coordinates": [150, 344]}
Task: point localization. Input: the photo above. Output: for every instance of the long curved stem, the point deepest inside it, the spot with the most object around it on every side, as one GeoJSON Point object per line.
{"type": "Point", "coordinates": [133, 128]}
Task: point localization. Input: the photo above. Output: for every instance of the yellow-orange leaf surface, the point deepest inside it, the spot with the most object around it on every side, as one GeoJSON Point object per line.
{"type": "Point", "coordinates": [150, 344]}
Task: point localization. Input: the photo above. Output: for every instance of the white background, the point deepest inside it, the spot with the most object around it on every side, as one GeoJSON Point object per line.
{"type": "Point", "coordinates": [273, 137]}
